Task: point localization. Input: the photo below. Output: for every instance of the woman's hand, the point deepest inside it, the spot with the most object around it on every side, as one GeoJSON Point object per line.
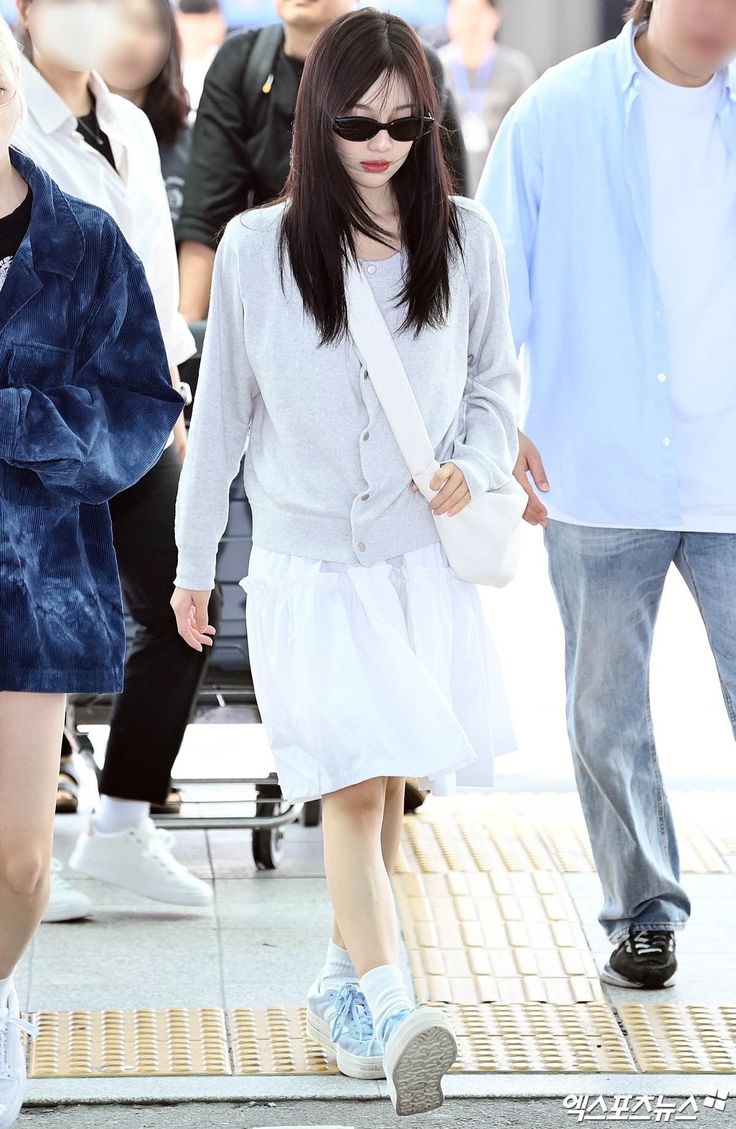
{"type": "Point", "coordinates": [453, 493]}
{"type": "Point", "coordinates": [528, 463]}
{"type": "Point", "coordinates": [190, 609]}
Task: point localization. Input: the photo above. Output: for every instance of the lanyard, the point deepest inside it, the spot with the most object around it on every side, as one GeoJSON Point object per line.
{"type": "Point", "coordinates": [472, 99]}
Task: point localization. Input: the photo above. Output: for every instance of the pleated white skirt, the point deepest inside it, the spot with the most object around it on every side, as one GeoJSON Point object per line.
{"type": "Point", "coordinates": [384, 670]}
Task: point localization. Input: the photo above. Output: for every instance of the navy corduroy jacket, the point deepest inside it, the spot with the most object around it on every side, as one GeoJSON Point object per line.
{"type": "Point", "coordinates": [86, 406]}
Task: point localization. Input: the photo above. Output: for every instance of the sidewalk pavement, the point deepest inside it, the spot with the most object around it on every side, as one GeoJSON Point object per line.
{"type": "Point", "coordinates": [255, 950]}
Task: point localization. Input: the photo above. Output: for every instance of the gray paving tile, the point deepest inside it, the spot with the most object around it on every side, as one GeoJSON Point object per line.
{"type": "Point", "coordinates": [154, 958]}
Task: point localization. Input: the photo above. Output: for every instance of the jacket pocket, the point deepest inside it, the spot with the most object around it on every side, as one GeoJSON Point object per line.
{"type": "Point", "coordinates": [40, 366]}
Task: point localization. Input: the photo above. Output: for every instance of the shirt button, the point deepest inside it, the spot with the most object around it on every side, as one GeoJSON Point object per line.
{"type": "Point", "coordinates": [364, 497]}
{"type": "Point", "coordinates": [666, 441]}
{"type": "Point", "coordinates": [366, 434]}
{"type": "Point", "coordinates": [365, 374]}
{"type": "Point", "coordinates": [371, 269]}
{"type": "Point", "coordinates": [662, 377]}
{"type": "Point", "coordinates": [361, 547]}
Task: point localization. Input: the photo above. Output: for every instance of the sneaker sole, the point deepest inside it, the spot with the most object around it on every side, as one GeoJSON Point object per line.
{"type": "Point", "coordinates": [352, 1066]}
{"type": "Point", "coordinates": [418, 1055]}
{"type": "Point", "coordinates": [610, 976]}
{"type": "Point", "coordinates": [67, 913]}
{"type": "Point", "coordinates": [91, 872]}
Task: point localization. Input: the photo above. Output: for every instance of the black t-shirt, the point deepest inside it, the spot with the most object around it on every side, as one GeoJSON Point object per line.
{"type": "Point", "coordinates": [174, 162]}
{"type": "Point", "coordinates": [89, 127]}
{"type": "Point", "coordinates": [12, 231]}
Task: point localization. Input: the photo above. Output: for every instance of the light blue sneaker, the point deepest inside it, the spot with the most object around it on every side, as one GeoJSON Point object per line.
{"type": "Point", "coordinates": [419, 1048]}
{"type": "Point", "coordinates": [339, 1020]}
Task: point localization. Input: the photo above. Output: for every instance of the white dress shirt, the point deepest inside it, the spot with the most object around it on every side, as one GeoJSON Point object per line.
{"type": "Point", "coordinates": [134, 195]}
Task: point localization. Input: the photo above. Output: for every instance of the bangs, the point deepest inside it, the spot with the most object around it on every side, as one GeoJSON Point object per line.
{"type": "Point", "coordinates": [384, 80]}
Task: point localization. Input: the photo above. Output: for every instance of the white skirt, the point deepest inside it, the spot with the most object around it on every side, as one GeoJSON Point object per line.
{"type": "Point", "coordinates": [380, 670]}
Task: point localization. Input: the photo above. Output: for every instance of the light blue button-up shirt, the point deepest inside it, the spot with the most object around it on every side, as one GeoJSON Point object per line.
{"type": "Point", "coordinates": [567, 185]}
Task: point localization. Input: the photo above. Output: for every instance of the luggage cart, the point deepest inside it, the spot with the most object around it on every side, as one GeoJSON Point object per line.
{"type": "Point", "coordinates": [227, 683]}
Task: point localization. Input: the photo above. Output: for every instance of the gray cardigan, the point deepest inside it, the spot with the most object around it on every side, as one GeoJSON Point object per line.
{"type": "Point", "coordinates": [323, 473]}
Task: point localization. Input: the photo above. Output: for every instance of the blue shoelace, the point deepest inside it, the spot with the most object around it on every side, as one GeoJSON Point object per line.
{"type": "Point", "coordinates": [391, 1022]}
{"type": "Point", "coordinates": [351, 1006]}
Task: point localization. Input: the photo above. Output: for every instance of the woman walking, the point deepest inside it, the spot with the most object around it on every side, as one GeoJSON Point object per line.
{"type": "Point", "coordinates": [86, 405]}
{"type": "Point", "coordinates": [369, 655]}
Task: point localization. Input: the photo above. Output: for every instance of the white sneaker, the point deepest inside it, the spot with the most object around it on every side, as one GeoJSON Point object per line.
{"type": "Point", "coordinates": [139, 859]}
{"type": "Point", "coordinates": [419, 1049]}
{"type": "Point", "coordinates": [12, 1060]}
{"type": "Point", "coordinates": [65, 903]}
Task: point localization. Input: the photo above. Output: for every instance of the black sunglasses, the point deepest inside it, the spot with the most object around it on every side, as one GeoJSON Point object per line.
{"type": "Point", "coordinates": [402, 129]}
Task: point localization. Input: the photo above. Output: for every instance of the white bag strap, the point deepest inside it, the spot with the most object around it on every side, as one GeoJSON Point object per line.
{"type": "Point", "coordinates": [373, 340]}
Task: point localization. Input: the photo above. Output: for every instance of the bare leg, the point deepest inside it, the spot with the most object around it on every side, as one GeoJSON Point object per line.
{"type": "Point", "coordinates": [393, 818]}
{"type": "Point", "coordinates": [31, 727]}
{"type": "Point", "coordinates": [360, 887]}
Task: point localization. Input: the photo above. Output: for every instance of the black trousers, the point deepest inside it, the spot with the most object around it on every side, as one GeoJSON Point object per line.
{"type": "Point", "coordinates": [163, 675]}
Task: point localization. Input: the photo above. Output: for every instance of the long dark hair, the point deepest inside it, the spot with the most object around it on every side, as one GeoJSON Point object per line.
{"type": "Point", "coordinates": [166, 102]}
{"type": "Point", "coordinates": [639, 10]}
{"type": "Point", "coordinates": [325, 208]}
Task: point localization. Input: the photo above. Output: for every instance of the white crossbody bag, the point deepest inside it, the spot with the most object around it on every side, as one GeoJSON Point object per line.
{"type": "Point", "coordinates": [482, 541]}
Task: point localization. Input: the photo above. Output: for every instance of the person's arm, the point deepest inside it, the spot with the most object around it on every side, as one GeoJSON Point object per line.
{"type": "Point", "coordinates": [488, 447]}
{"type": "Point", "coordinates": [196, 263]}
{"type": "Point", "coordinates": [219, 427]}
{"type": "Point", "coordinates": [511, 190]}
{"type": "Point", "coordinates": [218, 175]}
{"type": "Point", "coordinates": [158, 250]}
{"type": "Point", "coordinates": [96, 435]}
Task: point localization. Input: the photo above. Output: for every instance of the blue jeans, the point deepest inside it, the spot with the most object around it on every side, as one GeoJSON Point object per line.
{"type": "Point", "coordinates": [608, 584]}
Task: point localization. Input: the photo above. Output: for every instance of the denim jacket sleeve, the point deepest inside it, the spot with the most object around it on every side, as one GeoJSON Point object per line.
{"type": "Point", "coordinates": [487, 448]}
{"type": "Point", "coordinates": [94, 435]}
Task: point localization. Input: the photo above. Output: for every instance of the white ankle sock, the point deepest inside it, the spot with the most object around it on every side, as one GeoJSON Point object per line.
{"type": "Point", "coordinates": [338, 966]}
{"type": "Point", "coordinates": [5, 986]}
{"type": "Point", "coordinates": [385, 990]}
{"type": "Point", "coordinates": [114, 815]}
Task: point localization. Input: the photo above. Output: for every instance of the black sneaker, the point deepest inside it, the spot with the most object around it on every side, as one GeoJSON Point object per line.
{"type": "Point", "coordinates": [645, 959]}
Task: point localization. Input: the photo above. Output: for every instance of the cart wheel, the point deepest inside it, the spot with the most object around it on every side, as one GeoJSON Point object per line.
{"type": "Point", "coordinates": [268, 848]}
{"type": "Point", "coordinates": [312, 813]}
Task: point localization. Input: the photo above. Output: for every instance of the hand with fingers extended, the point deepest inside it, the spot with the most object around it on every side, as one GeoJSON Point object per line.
{"type": "Point", "coordinates": [452, 494]}
{"type": "Point", "coordinates": [528, 463]}
{"type": "Point", "coordinates": [190, 608]}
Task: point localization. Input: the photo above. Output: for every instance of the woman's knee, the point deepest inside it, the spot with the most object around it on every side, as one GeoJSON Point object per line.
{"type": "Point", "coordinates": [363, 800]}
{"type": "Point", "coordinates": [23, 874]}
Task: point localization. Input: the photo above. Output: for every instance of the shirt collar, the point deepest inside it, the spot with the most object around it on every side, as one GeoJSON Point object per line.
{"type": "Point", "coordinates": [628, 66]}
{"type": "Point", "coordinates": [51, 111]}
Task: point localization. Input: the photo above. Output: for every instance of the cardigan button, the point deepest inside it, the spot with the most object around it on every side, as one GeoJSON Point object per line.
{"type": "Point", "coordinates": [365, 374]}
{"type": "Point", "coordinates": [366, 435]}
{"type": "Point", "coordinates": [364, 497]}
{"type": "Point", "coordinates": [361, 547]}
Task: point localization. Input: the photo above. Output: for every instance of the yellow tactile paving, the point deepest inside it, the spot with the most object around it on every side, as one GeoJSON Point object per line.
{"type": "Point", "coordinates": [274, 1041]}
{"type": "Point", "coordinates": [532, 1037]}
{"type": "Point", "coordinates": [670, 1038]}
{"type": "Point", "coordinates": [170, 1041]}
{"type": "Point", "coordinates": [492, 935]}
{"type": "Point", "coordinates": [522, 831]}
{"type": "Point", "coordinates": [500, 936]}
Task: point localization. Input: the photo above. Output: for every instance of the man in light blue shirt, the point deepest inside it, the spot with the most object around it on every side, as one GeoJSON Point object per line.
{"type": "Point", "coordinates": [613, 184]}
